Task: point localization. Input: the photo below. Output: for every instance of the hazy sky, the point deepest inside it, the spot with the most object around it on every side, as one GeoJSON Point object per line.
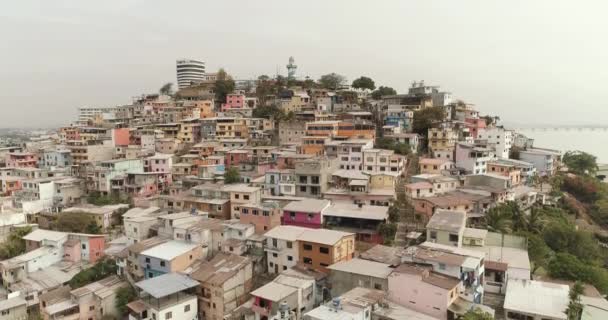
{"type": "Point", "coordinates": [522, 60]}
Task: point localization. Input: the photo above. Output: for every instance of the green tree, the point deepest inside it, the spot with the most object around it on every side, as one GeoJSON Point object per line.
{"type": "Point", "coordinates": [332, 81]}
{"type": "Point", "coordinates": [536, 221]}
{"type": "Point", "coordinates": [80, 222]}
{"type": "Point", "coordinates": [476, 313]}
{"type": "Point", "coordinates": [383, 91]}
{"type": "Point", "coordinates": [124, 295]}
{"type": "Point", "coordinates": [263, 78]}
{"type": "Point", "coordinates": [427, 118]}
{"type": "Point", "coordinates": [575, 307]}
{"type": "Point", "coordinates": [223, 85]}
{"type": "Point", "coordinates": [394, 213]}
{"type": "Point", "coordinates": [166, 89]}
{"type": "Point", "coordinates": [387, 231]}
{"type": "Point", "coordinates": [580, 162]}
{"type": "Point", "coordinates": [391, 144]}
{"type": "Point", "coordinates": [102, 269]}
{"type": "Point", "coordinates": [364, 83]}
{"type": "Point", "coordinates": [498, 219]}
{"type": "Point", "coordinates": [538, 252]}
{"type": "Point", "coordinates": [232, 175]}
{"type": "Point", "coordinates": [14, 244]}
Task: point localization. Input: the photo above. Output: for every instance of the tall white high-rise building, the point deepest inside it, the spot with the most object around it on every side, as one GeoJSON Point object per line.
{"type": "Point", "coordinates": [189, 72]}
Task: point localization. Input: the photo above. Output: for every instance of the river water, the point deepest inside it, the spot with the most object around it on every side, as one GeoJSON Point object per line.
{"type": "Point", "coordinates": [593, 142]}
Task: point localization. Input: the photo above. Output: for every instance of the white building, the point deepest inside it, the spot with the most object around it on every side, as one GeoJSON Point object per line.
{"type": "Point", "coordinates": [382, 161]}
{"type": "Point", "coordinates": [544, 160]}
{"type": "Point", "coordinates": [189, 72]}
{"type": "Point", "coordinates": [498, 138]}
{"type": "Point", "coordinates": [137, 223]}
{"type": "Point", "coordinates": [170, 296]}
{"type": "Point", "coordinates": [281, 247]}
{"type": "Point", "coordinates": [536, 300]}
{"type": "Point", "coordinates": [473, 159]}
{"type": "Point", "coordinates": [350, 152]}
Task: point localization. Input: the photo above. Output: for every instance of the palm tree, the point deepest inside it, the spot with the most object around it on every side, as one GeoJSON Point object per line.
{"type": "Point", "coordinates": [536, 221]}
{"type": "Point", "coordinates": [498, 220]}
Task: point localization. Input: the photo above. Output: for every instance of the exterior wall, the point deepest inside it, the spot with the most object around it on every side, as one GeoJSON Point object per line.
{"type": "Point", "coordinates": [179, 263]}
{"type": "Point", "coordinates": [426, 298]}
{"type": "Point", "coordinates": [15, 313]}
{"type": "Point", "coordinates": [282, 256]}
{"type": "Point", "coordinates": [381, 181]}
{"type": "Point", "coordinates": [291, 132]}
{"type": "Point", "coordinates": [343, 250]}
{"type": "Point", "coordinates": [72, 253]}
{"type": "Point", "coordinates": [261, 221]}
{"type": "Point", "coordinates": [303, 219]}
{"type": "Point", "coordinates": [499, 139]}
{"type": "Point", "coordinates": [345, 281]}
{"type": "Point", "coordinates": [121, 137]}
{"type": "Point", "coordinates": [177, 310]}
{"type": "Point", "coordinates": [96, 248]}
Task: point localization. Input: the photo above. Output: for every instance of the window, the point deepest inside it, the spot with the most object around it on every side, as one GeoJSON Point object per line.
{"type": "Point", "coordinates": [289, 258]}
{"type": "Point", "coordinates": [453, 237]}
{"type": "Point", "coordinates": [315, 180]}
{"type": "Point", "coordinates": [303, 179]}
{"type": "Point", "coordinates": [162, 263]}
{"type": "Point", "coordinates": [236, 196]}
{"type": "Point", "coordinates": [292, 215]}
{"type": "Point", "coordinates": [307, 247]}
{"type": "Point", "coordinates": [289, 244]}
{"type": "Point", "coordinates": [147, 260]}
{"type": "Point", "coordinates": [246, 197]}
{"type": "Point", "coordinates": [245, 211]}
{"type": "Point", "coordinates": [275, 255]}
{"type": "Point", "coordinates": [302, 188]}
{"type": "Point", "coordinates": [324, 250]}
{"type": "Point", "coordinates": [442, 266]}
{"type": "Point", "coordinates": [307, 260]}
{"type": "Point", "coordinates": [309, 216]}
{"type": "Point", "coordinates": [168, 315]}
{"type": "Point", "coordinates": [84, 246]}
{"type": "Point", "coordinates": [377, 286]}
{"type": "Point", "coordinates": [434, 235]}
{"type": "Point", "coordinates": [274, 243]}
{"type": "Point", "coordinates": [91, 308]}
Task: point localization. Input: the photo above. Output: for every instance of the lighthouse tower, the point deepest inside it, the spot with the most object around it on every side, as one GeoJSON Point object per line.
{"type": "Point", "coordinates": [291, 69]}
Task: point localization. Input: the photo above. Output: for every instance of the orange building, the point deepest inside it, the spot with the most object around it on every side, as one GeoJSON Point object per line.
{"type": "Point", "coordinates": [320, 248]}
{"type": "Point", "coordinates": [506, 170]}
{"type": "Point", "coordinates": [312, 145]}
{"type": "Point", "coordinates": [346, 129]}
{"type": "Point", "coordinates": [206, 108]}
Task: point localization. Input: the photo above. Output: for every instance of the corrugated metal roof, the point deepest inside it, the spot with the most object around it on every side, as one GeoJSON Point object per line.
{"type": "Point", "coordinates": [167, 284]}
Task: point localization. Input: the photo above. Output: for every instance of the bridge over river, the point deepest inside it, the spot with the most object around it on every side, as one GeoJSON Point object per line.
{"type": "Point", "coordinates": [563, 128]}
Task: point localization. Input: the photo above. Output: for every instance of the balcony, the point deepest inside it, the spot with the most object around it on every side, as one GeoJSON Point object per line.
{"type": "Point", "coordinates": [272, 248]}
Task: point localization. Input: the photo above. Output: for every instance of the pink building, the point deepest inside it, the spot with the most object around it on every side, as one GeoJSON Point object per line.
{"type": "Point", "coordinates": [21, 160]}
{"type": "Point", "coordinates": [234, 101]}
{"type": "Point", "coordinates": [474, 124]}
{"type": "Point", "coordinates": [88, 247]}
{"type": "Point", "coordinates": [121, 137]}
{"type": "Point", "coordinates": [307, 213]}
{"type": "Point", "coordinates": [418, 288]}
{"type": "Point", "coordinates": [159, 162]}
